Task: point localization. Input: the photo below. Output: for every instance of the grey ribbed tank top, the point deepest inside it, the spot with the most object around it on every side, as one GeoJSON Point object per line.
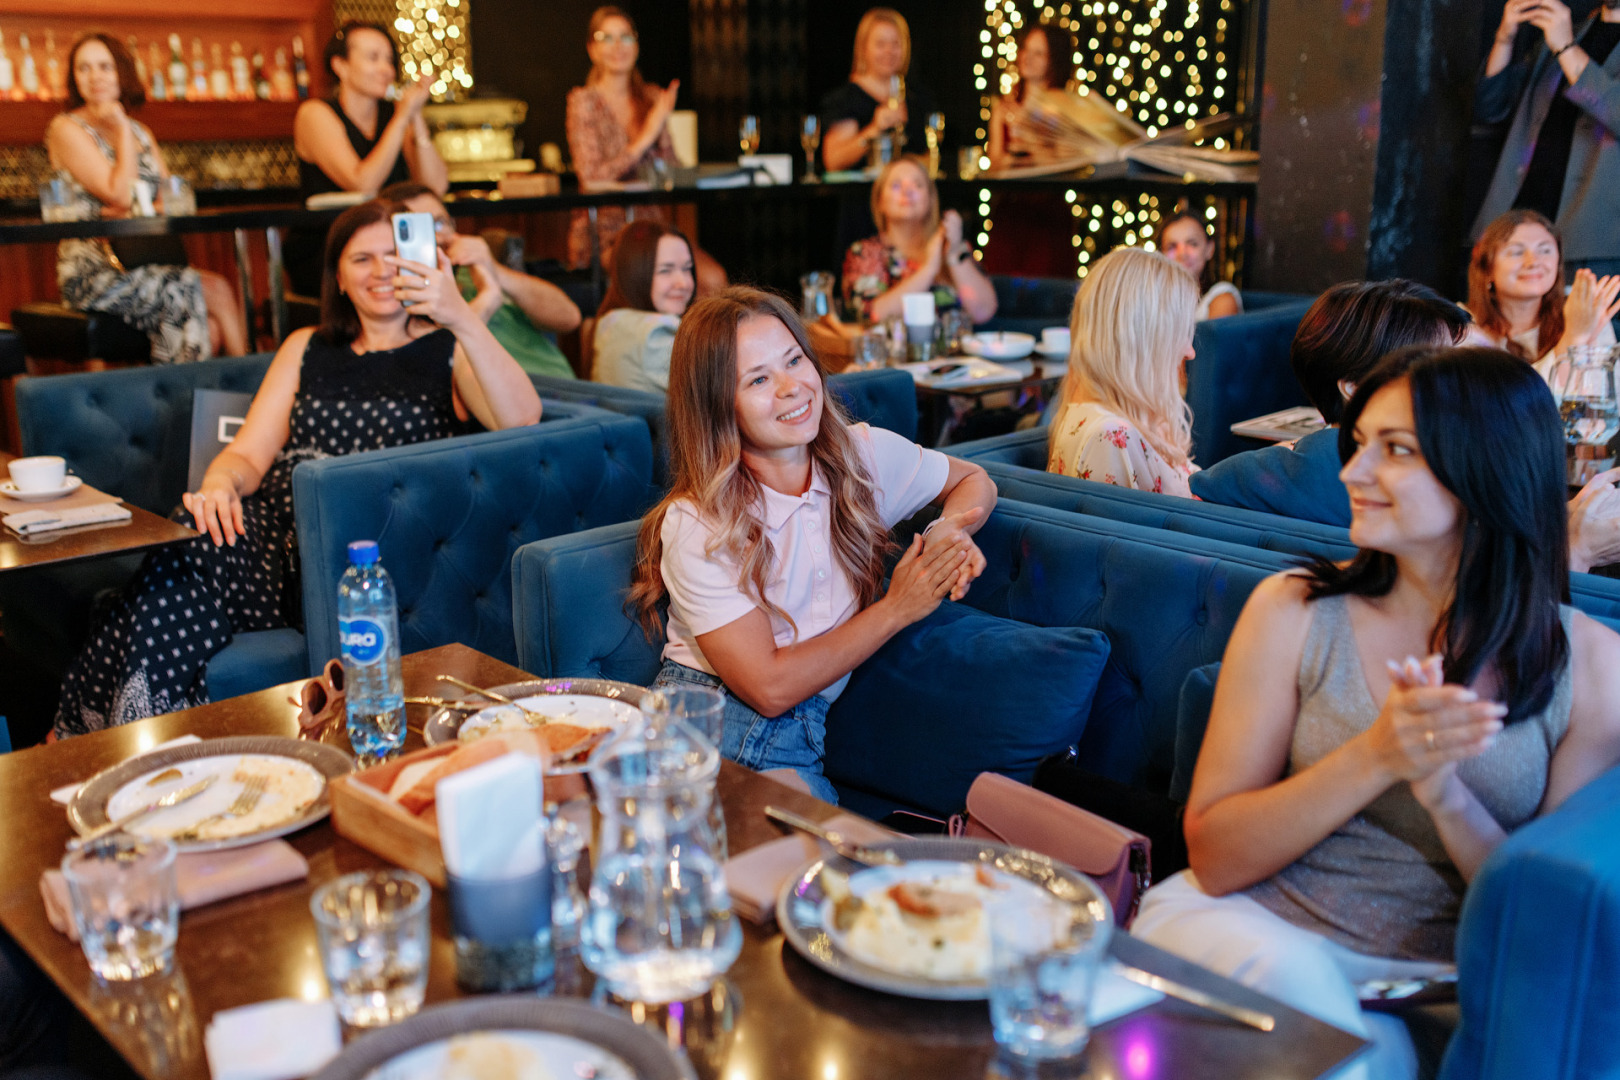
{"type": "Point", "coordinates": [1382, 884]}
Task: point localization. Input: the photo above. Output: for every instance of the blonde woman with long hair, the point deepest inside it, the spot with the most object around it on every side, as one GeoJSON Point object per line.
{"type": "Point", "coordinates": [858, 111]}
{"type": "Point", "coordinates": [770, 544]}
{"type": "Point", "coordinates": [1122, 419]}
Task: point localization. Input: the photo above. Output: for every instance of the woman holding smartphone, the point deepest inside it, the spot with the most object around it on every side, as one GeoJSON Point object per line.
{"type": "Point", "coordinates": [371, 376]}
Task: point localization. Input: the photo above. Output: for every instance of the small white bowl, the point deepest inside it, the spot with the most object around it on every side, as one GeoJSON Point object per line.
{"type": "Point", "coordinates": [1000, 345]}
{"type": "Point", "coordinates": [32, 474]}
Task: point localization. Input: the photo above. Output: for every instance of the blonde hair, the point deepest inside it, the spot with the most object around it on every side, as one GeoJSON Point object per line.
{"type": "Point", "coordinates": [705, 451]}
{"type": "Point", "coordinates": [921, 166]}
{"type": "Point", "coordinates": [1133, 315]}
{"type": "Point", "coordinates": [863, 30]}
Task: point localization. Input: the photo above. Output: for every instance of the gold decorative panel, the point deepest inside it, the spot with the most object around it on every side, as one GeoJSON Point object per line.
{"type": "Point", "coordinates": [269, 164]}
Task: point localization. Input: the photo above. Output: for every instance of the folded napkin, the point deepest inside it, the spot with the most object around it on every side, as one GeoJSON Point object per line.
{"type": "Point", "coordinates": [83, 495]}
{"type": "Point", "coordinates": [755, 877]}
{"type": "Point", "coordinates": [30, 522]}
{"type": "Point", "coordinates": [64, 794]}
{"type": "Point", "coordinates": [203, 877]}
{"type": "Point", "coordinates": [273, 1040]}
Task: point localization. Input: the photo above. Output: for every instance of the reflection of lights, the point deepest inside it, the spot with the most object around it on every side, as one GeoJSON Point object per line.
{"type": "Point", "coordinates": [829, 1070]}
{"type": "Point", "coordinates": [1138, 1057]}
{"type": "Point", "coordinates": [312, 989]}
{"type": "Point", "coordinates": [144, 742]}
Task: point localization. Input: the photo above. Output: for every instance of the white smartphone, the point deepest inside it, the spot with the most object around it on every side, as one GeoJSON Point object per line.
{"type": "Point", "coordinates": [414, 239]}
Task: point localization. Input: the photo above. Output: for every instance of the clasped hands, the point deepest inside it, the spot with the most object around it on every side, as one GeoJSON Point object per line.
{"type": "Point", "coordinates": [1427, 726]}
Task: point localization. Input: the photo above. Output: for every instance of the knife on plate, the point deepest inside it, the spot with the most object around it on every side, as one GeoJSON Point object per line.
{"type": "Point", "coordinates": [173, 798]}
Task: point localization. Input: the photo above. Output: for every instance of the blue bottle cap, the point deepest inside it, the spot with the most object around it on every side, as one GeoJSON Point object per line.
{"type": "Point", "coordinates": [363, 553]}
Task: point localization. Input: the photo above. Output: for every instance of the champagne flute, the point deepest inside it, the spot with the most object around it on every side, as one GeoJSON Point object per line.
{"type": "Point", "coordinates": [748, 135]}
{"type": "Point", "coordinates": [810, 139]}
{"type": "Point", "coordinates": [935, 129]}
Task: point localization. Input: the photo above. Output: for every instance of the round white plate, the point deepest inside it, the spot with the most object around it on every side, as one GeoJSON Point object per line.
{"type": "Point", "coordinates": [601, 703]}
{"type": "Point", "coordinates": [1000, 345]}
{"type": "Point", "coordinates": [520, 1051]}
{"type": "Point", "coordinates": [8, 488]}
{"type": "Point", "coordinates": [579, 709]}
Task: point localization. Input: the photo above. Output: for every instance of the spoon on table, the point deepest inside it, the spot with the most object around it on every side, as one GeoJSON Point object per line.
{"type": "Point", "coordinates": [528, 714]}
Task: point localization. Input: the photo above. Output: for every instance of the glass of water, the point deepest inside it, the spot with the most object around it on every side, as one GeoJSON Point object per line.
{"type": "Point", "coordinates": [58, 199]}
{"type": "Point", "coordinates": [126, 905]}
{"type": "Point", "coordinates": [373, 932]}
{"type": "Point", "coordinates": [1043, 964]}
{"type": "Point", "coordinates": [871, 351]}
{"type": "Point", "coordinates": [179, 200]}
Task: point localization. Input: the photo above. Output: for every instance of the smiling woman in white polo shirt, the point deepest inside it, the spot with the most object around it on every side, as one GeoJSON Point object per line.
{"type": "Point", "coordinates": [770, 545]}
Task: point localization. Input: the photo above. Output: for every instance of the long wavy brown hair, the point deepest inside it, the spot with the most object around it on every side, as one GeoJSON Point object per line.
{"type": "Point", "coordinates": [705, 450]}
{"type": "Point", "coordinates": [1482, 292]}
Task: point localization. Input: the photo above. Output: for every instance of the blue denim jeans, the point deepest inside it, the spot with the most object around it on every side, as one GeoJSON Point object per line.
{"type": "Point", "coordinates": [795, 740]}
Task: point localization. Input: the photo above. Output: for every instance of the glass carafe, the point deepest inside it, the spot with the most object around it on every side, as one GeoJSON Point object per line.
{"type": "Point", "coordinates": [1583, 385]}
{"type": "Point", "coordinates": [816, 289]}
{"type": "Point", "coordinates": [660, 926]}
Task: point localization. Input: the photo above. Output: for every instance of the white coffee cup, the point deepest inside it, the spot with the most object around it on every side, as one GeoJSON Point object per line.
{"type": "Point", "coordinates": [38, 473]}
{"type": "Point", "coordinates": [1055, 339]}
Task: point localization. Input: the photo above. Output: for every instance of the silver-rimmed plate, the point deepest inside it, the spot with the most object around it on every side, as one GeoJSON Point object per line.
{"type": "Point", "coordinates": [571, 1035]}
{"type": "Point", "coordinates": [221, 758]}
{"type": "Point", "coordinates": [586, 702]}
{"type": "Point", "coordinates": [802, 909]}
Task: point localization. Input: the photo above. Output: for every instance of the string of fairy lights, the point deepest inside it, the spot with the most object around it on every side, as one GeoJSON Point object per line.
{"type": "Point", "coordinates": [1162, 62]}
{"type": "Point", "coordinates": [432, 37]}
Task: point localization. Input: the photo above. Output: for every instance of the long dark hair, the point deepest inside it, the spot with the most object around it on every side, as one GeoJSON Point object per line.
{"type": "Point", "coordinates": [1482, 287]}
{"type": "Point", "coordinates": [1059, 56]}
{"type": "Point", "coordinates": [340, 323]}
{"type": "Point", "coordinates": [1513, 570]}
{"type": "Point", "coordinates": [131, 94]}
{"type": "Point", "coordinates": [635, 258]}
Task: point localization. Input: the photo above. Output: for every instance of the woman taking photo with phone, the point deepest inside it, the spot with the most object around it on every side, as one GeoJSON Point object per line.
{"type": "Point", "coordinates": [770, 545]}
{"type": "Point", "coordinates": [372, 375]}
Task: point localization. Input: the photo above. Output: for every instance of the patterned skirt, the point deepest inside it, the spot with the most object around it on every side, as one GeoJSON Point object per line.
{"type": "Point", "coordinates": [163, 302]}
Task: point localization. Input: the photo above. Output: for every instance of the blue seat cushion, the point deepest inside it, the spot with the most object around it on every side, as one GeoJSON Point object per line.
{"type": "Point", "coordinates": [1192, 717]}
{"type": "Point", "coordinates": [957, 694]}
{"type": "Point", "coordinates": [256, 660]}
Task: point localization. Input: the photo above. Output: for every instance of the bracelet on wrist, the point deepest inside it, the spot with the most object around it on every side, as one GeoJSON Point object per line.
{"type": "Point", "coordinates": [1560, 52]}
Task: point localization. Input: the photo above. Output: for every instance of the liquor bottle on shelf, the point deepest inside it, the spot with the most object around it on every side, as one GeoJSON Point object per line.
{"type": "Point", "coordinates": [29, 78]}
{"type": "Point", "coordinates": [261, 82]}
{"type": "Point", "coordinates": [160, 83]}
{"type": "Point", "coordinates": [140, 64]}
{"type": "Point", "coordinates": [281, 80]}
{"type": "Point", "coordinates": [179, 75]}
{"type": "Point", "coordinates": [219, 80]}
{"type": "Point", "coordinates": [241, 82]}
{"type": "Point", "coordinates": [8, 72]}
{"type": "Point", "coordinates": [55, 85]}
{"type": "Point", "coordinates": [199, 72]}
{"type": "Point", "coordinates": [300, 69]}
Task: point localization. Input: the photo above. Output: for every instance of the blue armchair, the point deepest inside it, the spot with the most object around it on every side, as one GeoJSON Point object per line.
{"type": "Point", "coordinates": [1240, 370]}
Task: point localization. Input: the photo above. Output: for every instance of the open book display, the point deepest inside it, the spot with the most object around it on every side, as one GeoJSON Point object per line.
{"type": "Point", "coordinates": [1074, 130]}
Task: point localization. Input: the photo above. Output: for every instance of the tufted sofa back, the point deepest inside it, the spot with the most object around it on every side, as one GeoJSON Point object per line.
{"type": "Point", "coordinates": [127, 431]}
{"type": "Point", "coordinates": [449, 515]}
{"type": "Point", "coordinates": [1240, 370]}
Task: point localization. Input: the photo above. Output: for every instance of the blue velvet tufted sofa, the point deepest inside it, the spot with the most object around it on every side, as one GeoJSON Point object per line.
{"type": "Point", "coordinates": [1030, 304]}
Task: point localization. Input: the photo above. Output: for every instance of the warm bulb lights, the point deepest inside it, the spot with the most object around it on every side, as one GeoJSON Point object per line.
{"type": "Point", "coordinates": [432, 36]}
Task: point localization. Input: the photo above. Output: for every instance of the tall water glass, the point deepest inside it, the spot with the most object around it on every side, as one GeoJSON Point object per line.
{"type": "Point", "coordinates": [126, 905]}
{"type": "Point", "coordinates": [177, 196]}
{"type": "Point", "coordinates": [660, 926]}
{"type": "Point", "coordinates": [748, 135]}
{"type": "Point", "coordinates": [810, 139]}
{"type": "Point", "coordinates": [372, 928]}
{"type": "Point", "coordinates": [871, 351]}
{"type": "Point", "coordinates": [58, 199]}
{"type": "Point", "coordinates": [1043, 964]}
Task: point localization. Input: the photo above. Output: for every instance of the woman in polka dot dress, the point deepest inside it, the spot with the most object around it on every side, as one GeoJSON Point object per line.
{"type": "Point", "coordinates": [373, 375]}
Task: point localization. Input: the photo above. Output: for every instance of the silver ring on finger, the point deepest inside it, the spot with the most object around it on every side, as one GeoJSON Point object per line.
{"type": "Point", "coordinates": [1428, 737]}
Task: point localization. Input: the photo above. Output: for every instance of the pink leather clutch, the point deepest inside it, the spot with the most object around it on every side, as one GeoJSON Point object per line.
{"type": "Point", "coordinates": [1116, 858]}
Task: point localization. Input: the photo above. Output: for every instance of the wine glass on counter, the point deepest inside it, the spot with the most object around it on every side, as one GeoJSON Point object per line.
{"type": "Point", "coordinates": [810, 139]}
{"type": "Point", "coordinates": [748, 135]}
{"type": "Point", "coordinates": [934, 132]}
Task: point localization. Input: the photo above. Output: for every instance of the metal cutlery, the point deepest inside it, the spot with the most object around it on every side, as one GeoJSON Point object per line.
{"type": "Point", "coordinates": [843, 845]}
{"type": "Point", "coordinates": [246, 799]}
{"type": "Point", "coordinates": [1252, 1017]}
{"type": "Point", "coordinates": [446, 703]}
{"type": "Point", "coordinates": [173, 798]}
{"type": "Point", "coordinates": [528, 714]}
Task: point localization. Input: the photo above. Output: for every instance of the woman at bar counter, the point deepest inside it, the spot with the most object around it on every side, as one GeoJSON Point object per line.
{"type": "Point", "coordinates": [618, 122]}
{"type": "Point", "coordinates": [856, 113]}
{"type": "Point", "coordinates": [1045, 65]}
{"type": "Point", "coordinates": [916, 250]}
{"type": "Point", "coordinates": [653, 278]}
{"type": "Point", "coordinates": [371, 376]}
{"type": "Point", "coordinates": [188, 314]}
{"type": "Point", "coordinates": [357, 140]}
{"type": "Point", "coordinates": [1347, 791]}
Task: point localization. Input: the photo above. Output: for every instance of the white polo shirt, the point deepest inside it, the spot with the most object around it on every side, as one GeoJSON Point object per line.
{"type": "Point", "coordinates": [706, 592]}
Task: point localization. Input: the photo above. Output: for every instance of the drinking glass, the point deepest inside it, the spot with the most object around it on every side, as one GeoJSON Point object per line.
{"type": "Point", "coordinates": [57, 199]}
{"type": "Point", "coordinates": [934, 131]}
{"type": "Point", "coordinates": [372, 928]}
{"type": "Point", "coordinates": [704, 708]}
{"type": "Point", "coordinates": [1044, 958]}
{"type": "Point", "coordinates": [871, 350]}
{"type": "Point", "coordinates": [126, 905]}
{"type": "Point", "coordinates": [967, 162]}
{"type": "Point", "coordinates": [816, 295]}
{"type": "Point", "coordinates": [954, 325]}
{"type": "Point", "coordinates": [177, 196]}
{"type": "Point", "coordinates": [810, 139]}
{"type": "Point", "coordinates": [748, 135]}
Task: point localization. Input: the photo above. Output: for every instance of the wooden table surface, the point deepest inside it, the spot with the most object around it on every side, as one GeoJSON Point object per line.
{"type": "Point", "coordinates": [773, 1016]}
{"type": "Point", "coordinates": [143, 530]}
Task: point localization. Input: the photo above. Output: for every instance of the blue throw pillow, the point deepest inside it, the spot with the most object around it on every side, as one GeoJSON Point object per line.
{"type": "Point", "coordinates": [957, 694]}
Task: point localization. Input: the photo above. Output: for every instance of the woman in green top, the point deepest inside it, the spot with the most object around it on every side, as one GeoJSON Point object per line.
{"type": "Point", "coordinates": [524, 313]}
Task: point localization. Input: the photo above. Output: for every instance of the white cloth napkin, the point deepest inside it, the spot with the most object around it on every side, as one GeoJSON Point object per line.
{"type": "Point", "coordinates": [273, 1040]}
{"type": "Point", "coordinates": [64, 794]}
{"type": "Point", "coordinates": [490, 825]}
{"type": "Point", "coordinates": [30, 522]}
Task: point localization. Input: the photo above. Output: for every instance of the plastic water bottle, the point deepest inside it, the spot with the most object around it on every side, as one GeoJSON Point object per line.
{"type": "Point", "coordinates": [368, 627]}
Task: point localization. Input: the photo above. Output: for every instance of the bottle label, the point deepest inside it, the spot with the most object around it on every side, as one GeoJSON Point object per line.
{"type": "Point", "coordinates": [364, 641]}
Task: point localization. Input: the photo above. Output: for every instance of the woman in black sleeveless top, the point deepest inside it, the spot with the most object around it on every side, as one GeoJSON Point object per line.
{"type": "Point", "coordinates": [335, 153]}
{"type": "Point", "coordinates": [369, 377]}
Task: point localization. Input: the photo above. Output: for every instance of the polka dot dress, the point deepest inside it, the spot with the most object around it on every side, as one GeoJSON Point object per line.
{"type": "Point", "coordinates": [147, 653]}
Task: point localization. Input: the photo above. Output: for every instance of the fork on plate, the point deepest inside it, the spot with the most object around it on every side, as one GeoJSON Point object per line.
{"type": "Point", "coordinates": [246, 800]}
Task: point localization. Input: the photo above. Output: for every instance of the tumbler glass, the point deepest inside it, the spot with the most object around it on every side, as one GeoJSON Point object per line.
{"type": "Point", "coordinates": [372, 928]}
{"type": "Point", "coordinates": [1043, 964]}
{"type": "Point", "coordinates": [126, 904]}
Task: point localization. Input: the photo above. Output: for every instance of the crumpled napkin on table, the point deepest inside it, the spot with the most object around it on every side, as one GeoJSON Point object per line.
{"type": "Point", "coordinates": [29, 522]}
{"type": "Point", "coordinates": [273, 1040]}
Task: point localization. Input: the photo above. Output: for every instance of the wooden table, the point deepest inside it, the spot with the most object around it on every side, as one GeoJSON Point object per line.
{"type": "Point", "coordinates": [143, 530]}
{"type": "Point", "coordinates": [1037, 379]}
{"type": "Point", "coordinates": [774, 1016]}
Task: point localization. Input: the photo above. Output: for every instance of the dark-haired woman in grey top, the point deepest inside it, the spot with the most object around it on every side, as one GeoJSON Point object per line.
{"type": "Point", "coordinates": [1347, 792]}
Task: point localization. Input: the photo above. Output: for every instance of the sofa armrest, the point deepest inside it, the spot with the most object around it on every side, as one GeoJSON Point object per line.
{"type": "Point", "coordinates": [1022, 448]}
{"type": "Point", "coordinates": [886, 398]}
